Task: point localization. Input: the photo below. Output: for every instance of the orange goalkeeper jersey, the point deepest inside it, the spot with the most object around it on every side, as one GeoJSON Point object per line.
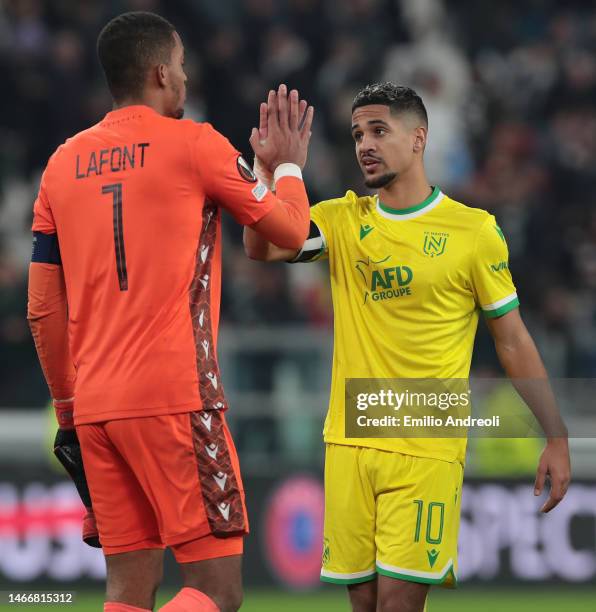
{"type": "Point", "coordinates": [136, 204]}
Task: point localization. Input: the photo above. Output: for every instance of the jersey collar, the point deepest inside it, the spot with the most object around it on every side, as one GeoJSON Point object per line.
{"type": "Point", "coordinates": [126, 112]}
{"type": "Point", "coordinates": [404, 214]}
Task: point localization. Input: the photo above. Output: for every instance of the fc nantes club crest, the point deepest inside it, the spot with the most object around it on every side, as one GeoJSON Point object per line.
{"type": "Point", "coordinates": [434, 243]}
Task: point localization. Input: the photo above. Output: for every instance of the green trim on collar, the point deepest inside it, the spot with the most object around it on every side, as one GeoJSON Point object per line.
{"type": "Point", "coordinates": [406, 211]}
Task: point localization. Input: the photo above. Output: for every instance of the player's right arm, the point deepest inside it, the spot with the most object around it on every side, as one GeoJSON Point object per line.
{"type": "Point", "coordinates": [47, 313]}
{"type": "Point", "coordinates": [315, 247]}
{"type": "Point", "coordinates": [258, 244]}
{"type": "Point", "coordinates": [259, 248]}
{"type": "Point", "coordinates": [47, 310]}
{"type": "Point", "coordinates": [282, 218]}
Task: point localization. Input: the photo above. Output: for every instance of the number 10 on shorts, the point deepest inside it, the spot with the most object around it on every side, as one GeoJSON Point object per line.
{"type": "Point", "coordinates": [435, 515]}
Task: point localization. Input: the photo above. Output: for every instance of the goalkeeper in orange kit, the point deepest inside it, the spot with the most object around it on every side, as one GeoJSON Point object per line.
{"type": "Point", "coordinates": [127, 262]}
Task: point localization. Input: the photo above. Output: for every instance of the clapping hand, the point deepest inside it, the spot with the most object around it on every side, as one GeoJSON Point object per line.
{"type": "Point", "coordinates": [284, 130]}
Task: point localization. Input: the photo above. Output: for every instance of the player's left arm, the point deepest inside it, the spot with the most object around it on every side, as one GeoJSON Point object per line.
{"type": "Point", "coordinates": [497, 298]}
{"type": "Point", "coordinates": [522, 363]}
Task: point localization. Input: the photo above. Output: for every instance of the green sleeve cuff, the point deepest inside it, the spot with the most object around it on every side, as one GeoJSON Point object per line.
{"type": "Point", "coordinates": [501, 310]}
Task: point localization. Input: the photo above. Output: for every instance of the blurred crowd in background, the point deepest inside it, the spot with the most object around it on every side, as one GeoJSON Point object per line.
{"type": "Point", "coordinates": [510, 88]}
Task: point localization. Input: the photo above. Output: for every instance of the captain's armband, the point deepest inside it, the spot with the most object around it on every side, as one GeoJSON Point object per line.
{"type": "Point", "coordinates": [314, 247]}
{"type": "Point", "coordinates": [46, 249]}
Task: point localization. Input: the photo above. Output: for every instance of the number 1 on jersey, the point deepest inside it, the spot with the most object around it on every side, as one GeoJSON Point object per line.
{"type": "Point", "coordinates": [116, 191]}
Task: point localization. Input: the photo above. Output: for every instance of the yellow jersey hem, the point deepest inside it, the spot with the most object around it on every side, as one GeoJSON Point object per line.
{"type": "Point", "coordinates": [401, 451]}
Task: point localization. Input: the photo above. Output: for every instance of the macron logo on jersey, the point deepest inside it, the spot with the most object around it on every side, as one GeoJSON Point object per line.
{"type": "Point", "coordinates": [432, 556]}
{"type": "Point", "coordinates": [365, 230]}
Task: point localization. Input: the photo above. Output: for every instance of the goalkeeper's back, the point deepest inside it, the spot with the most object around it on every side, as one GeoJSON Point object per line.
{"type": "Point", "coordinates": [134, 201]}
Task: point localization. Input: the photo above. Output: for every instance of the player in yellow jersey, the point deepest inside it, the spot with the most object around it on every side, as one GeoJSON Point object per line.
{"type": "Point", "coordinates": [411, 270]}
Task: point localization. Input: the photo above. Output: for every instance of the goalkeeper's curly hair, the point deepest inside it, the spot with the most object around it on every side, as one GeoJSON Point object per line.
{"type": "Point", "coordinates": [398, 98]}
{"type": "Point", "coordinates": [128, 46]}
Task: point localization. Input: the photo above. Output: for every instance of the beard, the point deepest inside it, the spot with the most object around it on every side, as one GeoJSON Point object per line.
{"type": "Point", "coordinates": [179, 95]}
{"type": "Point", "coordinates": [381, 181]}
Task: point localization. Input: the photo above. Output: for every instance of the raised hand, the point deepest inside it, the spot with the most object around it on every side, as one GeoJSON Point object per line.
{"type": "Point", "coordinates": [284, 130]}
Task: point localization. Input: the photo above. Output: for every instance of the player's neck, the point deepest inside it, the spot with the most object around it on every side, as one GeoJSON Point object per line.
{"type": "Point", "coordinates": [140, 101]}
{"type": "Point", "coordinates": [405, 192]}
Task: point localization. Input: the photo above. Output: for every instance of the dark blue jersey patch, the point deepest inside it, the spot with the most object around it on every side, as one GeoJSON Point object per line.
{"type": "Point", "coordinates": [46, 249]}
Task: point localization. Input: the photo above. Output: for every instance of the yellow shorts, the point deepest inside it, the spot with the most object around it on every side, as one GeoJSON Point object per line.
{"type": "Point", "coordinates": [390, 514]}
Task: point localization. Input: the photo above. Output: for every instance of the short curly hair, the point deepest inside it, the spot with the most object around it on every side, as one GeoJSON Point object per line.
{"type": "Point", "coordinates": [399, 99]}
{"type": "Point", "coordinates": [128, 46]}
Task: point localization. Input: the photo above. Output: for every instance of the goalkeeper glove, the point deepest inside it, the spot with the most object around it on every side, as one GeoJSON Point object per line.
{"type": "Point", "coordinates": [68, 451]}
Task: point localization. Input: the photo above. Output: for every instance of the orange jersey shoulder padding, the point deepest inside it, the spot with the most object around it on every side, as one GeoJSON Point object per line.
{"type": "Point", "coordinates": [47, 313]}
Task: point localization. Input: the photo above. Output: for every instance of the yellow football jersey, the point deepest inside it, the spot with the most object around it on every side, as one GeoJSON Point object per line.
{"type": "Point", "coordinates": [407, 288]}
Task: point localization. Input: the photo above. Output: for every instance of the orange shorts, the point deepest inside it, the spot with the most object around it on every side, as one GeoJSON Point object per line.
{"type": "Point", "coordinates": [171, 480]}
